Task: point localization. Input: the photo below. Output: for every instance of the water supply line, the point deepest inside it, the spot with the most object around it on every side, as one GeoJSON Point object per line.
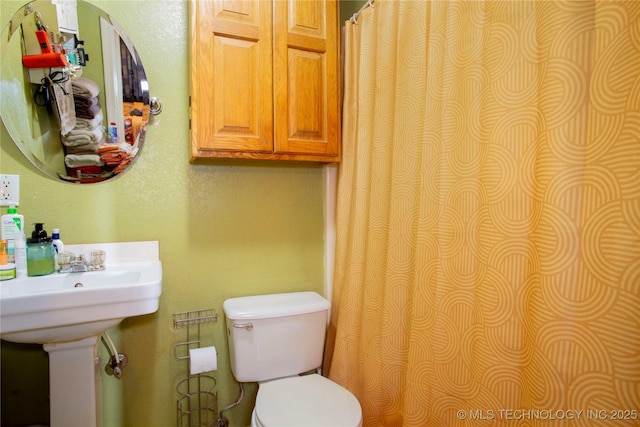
{"type": "Point", "coordinates": [116, 361]}
{"type": "Point", "coordinates": [221, 421]}
{"type": "Point", "coordinates": [106, 340]}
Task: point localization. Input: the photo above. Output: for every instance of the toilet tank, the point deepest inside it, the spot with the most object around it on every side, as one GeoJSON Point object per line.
{"type": "Point", "coordinates": [275, 336]}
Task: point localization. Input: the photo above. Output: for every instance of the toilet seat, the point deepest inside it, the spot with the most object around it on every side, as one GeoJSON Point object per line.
{"type": "Point", "coordinates": [305, 401]}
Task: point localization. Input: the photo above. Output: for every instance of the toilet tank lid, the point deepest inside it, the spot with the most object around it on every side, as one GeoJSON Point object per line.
{"type": "Point", "coordinates": [274, 305]}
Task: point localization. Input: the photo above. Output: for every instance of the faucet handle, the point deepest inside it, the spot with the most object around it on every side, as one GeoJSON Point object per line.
{"type": "Point", "coordinates": [65, 261]}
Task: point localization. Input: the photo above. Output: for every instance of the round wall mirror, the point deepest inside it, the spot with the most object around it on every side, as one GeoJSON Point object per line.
{"type": "Point", "coordinates": [75, 98]}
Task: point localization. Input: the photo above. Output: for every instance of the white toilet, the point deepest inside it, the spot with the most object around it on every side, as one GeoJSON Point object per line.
{"type": "Point", "coordinates": [273, 339]}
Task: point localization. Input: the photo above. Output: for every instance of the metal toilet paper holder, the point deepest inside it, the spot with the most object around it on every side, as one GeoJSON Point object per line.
{"type": "Point", "coordinates": [197, 403]}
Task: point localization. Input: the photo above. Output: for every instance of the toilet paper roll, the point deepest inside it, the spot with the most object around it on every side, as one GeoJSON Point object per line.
{"type": "Point", "coordinates": [202, 359]}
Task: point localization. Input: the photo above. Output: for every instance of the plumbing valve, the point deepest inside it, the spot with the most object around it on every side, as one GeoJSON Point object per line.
{"type": "Point", "coordinates": [115, 365]}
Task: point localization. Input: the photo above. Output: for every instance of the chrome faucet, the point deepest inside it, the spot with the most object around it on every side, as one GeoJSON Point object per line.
{"type": "Point", "coordinates": [79, 264]}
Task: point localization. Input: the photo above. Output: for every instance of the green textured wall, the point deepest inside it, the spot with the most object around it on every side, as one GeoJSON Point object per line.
{"type": "Point", "coordinates": [349, 7]}
{"type": "Point", "coordinates": [225, 229]}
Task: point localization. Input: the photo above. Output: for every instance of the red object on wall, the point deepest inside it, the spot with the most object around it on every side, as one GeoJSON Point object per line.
{"type": "Point", "coordinates": [45, 60]}
{"type": "Point", "coordinates": [43, 40]}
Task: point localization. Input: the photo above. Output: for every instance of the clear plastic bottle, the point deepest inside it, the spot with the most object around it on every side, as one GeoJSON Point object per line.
{"type": "Point", "coordinates": [7, 270]}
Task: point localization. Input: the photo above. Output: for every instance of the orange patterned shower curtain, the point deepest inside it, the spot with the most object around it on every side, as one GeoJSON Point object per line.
{"type": "Point", "coordinates": [488, 224]}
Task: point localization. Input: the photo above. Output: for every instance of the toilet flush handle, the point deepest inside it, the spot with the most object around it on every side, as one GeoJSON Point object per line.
{"type": "Point", "coordinates": [247, 326]}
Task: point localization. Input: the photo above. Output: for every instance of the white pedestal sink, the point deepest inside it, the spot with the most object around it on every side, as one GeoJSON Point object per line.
{"type": "Point", "coordinates": [69, 319]}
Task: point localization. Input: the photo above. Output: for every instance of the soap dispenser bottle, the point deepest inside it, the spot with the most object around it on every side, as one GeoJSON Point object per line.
{"type": "Point", "coordinates": [40, 252]}
{"type": "Point", "coordinates": [12, 227]}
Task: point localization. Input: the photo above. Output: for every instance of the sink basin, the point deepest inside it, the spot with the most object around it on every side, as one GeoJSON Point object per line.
{"type": "Point", "coordinates": [52, 309]}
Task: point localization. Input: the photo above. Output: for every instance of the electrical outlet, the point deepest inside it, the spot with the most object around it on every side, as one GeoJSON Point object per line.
{"type": "Point", "coordinates": [9, 190]}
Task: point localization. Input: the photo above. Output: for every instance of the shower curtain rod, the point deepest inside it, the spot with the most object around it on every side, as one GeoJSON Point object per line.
{"type": "Point", "coordinates": [354, 18]}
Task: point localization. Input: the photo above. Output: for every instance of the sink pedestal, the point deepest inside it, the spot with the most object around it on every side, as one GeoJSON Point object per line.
{"type": "Point", "coordinates": [74, 383]}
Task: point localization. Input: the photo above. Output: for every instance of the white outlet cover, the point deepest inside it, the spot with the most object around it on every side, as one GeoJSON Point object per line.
{"type": "Point", "coordinates": [9, 190]}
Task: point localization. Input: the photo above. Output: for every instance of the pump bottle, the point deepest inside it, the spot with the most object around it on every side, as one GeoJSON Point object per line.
{"type": "Point", "coordinates": [12, 226]}
{"type": "Point", "coordinates": [40, 252]}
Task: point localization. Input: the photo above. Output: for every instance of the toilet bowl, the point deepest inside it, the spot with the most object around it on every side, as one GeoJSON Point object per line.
{"type": "Point", "coordinates": [274, 340]}
{"type": "Point", "coordinates": [305, 401]}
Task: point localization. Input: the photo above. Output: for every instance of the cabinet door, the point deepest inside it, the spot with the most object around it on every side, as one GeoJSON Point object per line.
{"type": "Point", "coordinates": [231, 77]}
{"type": "Point", "coordinates": [306, 78]}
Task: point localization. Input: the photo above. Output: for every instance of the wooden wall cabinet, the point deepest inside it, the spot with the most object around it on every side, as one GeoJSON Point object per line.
{"type": "Point", "coordinates": [265, 79]}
